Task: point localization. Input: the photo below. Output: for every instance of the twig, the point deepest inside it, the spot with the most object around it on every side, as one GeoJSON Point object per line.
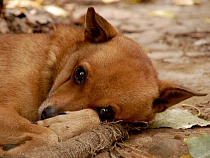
{"type": "Point", "coordinates": [128, 146]}
{"type": "Point", "coordinates": [199, 112]}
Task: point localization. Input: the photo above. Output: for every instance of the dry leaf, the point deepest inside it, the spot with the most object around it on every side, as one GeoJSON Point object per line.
{"type": "Point", "coordinates": [207, 20]}
{"type": "Point", "coordinates": [110, 1]}
{"type": "Point", "coordinates": [22, 3]}
{"type": "Point", "coordinates": [3, 26]}
{"type": "Point", "coordinates": [186, 2]}
{"type": "Point", "coordinates": [177, 118]}
{"type": "Point", "coordinates": [162, 13]}
{"type": "Point", "coordinates": [35, 16]}
{"type": "Point", "coordinates": [199, 147]}
{"type": "Point", "coordinates": [146, 50]}
{"type": "Point", "coordinates": [57, 11]}
{"type": "Point", "coordinates": [186, 156]}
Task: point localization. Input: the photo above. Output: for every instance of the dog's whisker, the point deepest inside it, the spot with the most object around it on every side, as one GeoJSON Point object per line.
{"type": "Point", "coordinates": [62, 113]}
{"type": "Point", "coordinates": [36, 123]}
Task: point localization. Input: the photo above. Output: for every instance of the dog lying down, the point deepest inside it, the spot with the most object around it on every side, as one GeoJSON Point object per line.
{"type": "Point", "coordinates": [96, 68]}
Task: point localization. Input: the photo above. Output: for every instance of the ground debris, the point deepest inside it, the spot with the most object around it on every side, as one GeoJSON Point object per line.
{"type": "Point", "coordinates": [28, 20]}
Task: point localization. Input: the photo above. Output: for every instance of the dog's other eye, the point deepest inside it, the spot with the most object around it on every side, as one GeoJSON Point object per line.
{"type": "Point", "coordinates": [79, 75]}
{"type": "Point", "coordinates": [106, 114]}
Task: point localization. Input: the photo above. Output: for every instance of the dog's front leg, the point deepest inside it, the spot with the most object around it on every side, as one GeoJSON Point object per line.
{"type": "Point", "coordinates": [18, 135]}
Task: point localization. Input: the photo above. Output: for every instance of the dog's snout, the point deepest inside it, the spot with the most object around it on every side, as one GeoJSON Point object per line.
{"type": "Point", "coordinates": [48, 112]}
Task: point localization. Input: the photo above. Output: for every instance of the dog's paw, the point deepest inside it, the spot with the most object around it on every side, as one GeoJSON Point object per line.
{"type": "Point", "coordinates": [72, 123]}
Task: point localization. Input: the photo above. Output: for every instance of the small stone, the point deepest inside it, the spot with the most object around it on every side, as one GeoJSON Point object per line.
{"type": "Point", "coordinates": [201, 42]}
{"type": "Point", "coordinates": [168, 148]}
{"type": "Point", "coordinates": [158, 47]}
{"type": "Point", "coordinates": [129, 28]}
{"type": "Point", "coordinates": [178, 137]}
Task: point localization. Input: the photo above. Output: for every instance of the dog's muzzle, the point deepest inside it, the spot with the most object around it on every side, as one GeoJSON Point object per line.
{"type": "Point", "coordinates": [45, 110]}
{"type": "Point", "coordinates": [48, 112]}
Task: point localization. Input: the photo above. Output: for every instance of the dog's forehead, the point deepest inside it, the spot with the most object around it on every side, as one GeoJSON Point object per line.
{"type": "Point", "coordinates": [120, 61]}
{"type": "Point", "coordinates": [120, 50]}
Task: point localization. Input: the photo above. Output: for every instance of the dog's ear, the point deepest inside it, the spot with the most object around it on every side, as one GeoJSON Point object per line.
{"type": "Point", "coordinates": [171, 94]}
{"type": "Point", "coordinates": [97, 28]}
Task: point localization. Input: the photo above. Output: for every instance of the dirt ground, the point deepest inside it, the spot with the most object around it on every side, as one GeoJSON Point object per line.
{"type": "Point", "coordinates": [179, 48]}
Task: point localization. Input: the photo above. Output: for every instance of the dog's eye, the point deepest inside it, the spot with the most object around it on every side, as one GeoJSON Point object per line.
{"type": "Point", "coordinates": [79, 75]}
{"type": "Point", "coordinates": [106, 114]}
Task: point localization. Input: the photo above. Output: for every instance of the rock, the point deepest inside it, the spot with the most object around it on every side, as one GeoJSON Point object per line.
{"type": "Point", "coordinates": [129, 28]}
{"type": "Point", "coordinates": [168, 148]}
{"type": "Point", "coordinates": [201, 42]}
{"type": "Point", "coordinates": [146, 37]}
{"type": "Point", "coordinates": [149, 36]}
{"type": "Point", "coordinates": [177, 60]}
{"type": "Point", "coordinates": [178, 137]}
{"type": "Point", "coordinates": [179, 29]}
{"type": "Point", "coordinates": [158, 47]}
{"type": "Point", "coordinates": [164, 55]}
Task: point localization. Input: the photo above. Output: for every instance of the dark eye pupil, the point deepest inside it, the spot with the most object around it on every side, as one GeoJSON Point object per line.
{"type": "Point", "coordinates": [79, 75]}
{"type": "Point", "coordinates": [106, 114]}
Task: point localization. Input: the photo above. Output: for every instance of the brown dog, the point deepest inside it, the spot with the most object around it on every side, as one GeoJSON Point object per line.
{"type": "Point", "coordinates": [43, 75]}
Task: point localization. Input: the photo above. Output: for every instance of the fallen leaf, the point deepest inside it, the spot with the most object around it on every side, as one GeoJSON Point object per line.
{"type": "Point", "coordinates": [177, 118]}
{"type": "Point", "coordinates": [146, 50]}
{"type": "Point", "coordinates": [186, 2]}
{"type": "Point", "coordinates": [162, 13]}
{"type": "Point", "coordinates": [3, 26]}
{"type": "Point", "coordinates": [186, 156]}
{"type": "Point", "coordinates": [201, 42]}
{"type": "Point", "coordinates": [110, 1]}
{"type": "Point", "coordinates": [207, 20]}
{"type": "Point", "coordinates": [57, 11]}
{"type": "Point", "coordinates": [22, 25]}
{"type": "Point", "coordinates": [22, 3]}
{"type": "Point", "coordinates": [199, 147]}
{"type": "Point", "coordinates": [138, 1]}
{"type": "Point", "coordinates": [35, 16]}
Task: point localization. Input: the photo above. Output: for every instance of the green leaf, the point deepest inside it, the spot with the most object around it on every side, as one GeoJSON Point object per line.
{"type": "Point", "coordinates": [199, 147]}
{"type": "Point", "coordinates": [177, 118]}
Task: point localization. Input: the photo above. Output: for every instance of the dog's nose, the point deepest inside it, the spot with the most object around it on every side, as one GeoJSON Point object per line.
{"type": "Point", "coordinates": [48, 112]}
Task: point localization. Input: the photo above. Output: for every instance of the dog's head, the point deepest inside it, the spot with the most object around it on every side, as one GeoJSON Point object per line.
{"type": "Point", "coordinates": [110, 73]}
